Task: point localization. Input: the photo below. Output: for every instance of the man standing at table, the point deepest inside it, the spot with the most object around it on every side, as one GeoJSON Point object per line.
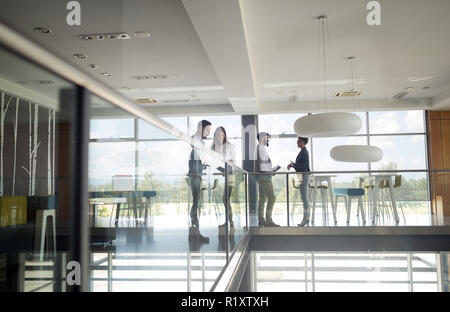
{"type": "Point", "coordinates": [196, 168]}
{"type": "Point", "coordinates": [264, 166]}
{"type": "Point", "coordinates": [302, 165]}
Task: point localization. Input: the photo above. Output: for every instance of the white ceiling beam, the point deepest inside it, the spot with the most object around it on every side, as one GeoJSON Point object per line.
{"type": "Point", "coordinates": [219, 26]}
{"type": "Point", "coordinates": [441, 101]}
{"type": "Point", "coordinates": [29, 95]}
{"type": "Point", "coordinates": [348, 106]}
{"type": "Point", "coordinates": [172, 111]}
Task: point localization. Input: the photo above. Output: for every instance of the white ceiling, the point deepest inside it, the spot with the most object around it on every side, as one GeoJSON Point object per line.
{"type": "Point", "coordinates": [253, 56]}
{"type": "Point", "coordinates": [283, 37]}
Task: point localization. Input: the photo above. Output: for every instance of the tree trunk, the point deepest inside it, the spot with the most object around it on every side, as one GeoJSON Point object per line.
{"type": "Point", "coordinates": [15, 145]}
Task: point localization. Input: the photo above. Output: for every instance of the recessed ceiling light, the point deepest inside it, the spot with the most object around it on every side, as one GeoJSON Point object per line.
{"type": "Point", "coordinates": [93, 66]}
{"type": "Point", "coordinates": [42, 30]}
{"type": "Point", "coordinates": [145, 77]}
{"type": "Point", "coordinates": [44, 81]}
{"type": "Point", "coordinates": [141, 34]}
{"type": "Point", "coordinates": [87, 37]}
{"type": "Point", "coordinates": [415, 78]}
{"type": "Point", "coordinates": [141, 77]}
{"type": "Point", "coordinates": [106, 74]}
{"type": "Point", "coordinates": [79, 56]}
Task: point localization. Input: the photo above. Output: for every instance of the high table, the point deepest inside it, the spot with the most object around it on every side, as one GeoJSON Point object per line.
{"type": "Point", "coordinates": [134, 195]}
{"type": "Point", "coordinates": [376, 181]}
{"type": "Point", "coordinates": [317, 180]}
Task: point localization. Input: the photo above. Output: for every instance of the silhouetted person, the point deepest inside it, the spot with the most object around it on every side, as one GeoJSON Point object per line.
{"type": "Point", "coordinates": [302, 165]}
{"type": "Point", "coordinates": [196, 168]}
{"type": "Point", "coordinates": [226, 149]}
{"type": "Point", "coordinates": [264, 165]}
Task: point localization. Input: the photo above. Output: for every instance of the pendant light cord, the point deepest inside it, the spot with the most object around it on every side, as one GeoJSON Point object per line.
{"type": "Point", "coordinates": [324, 65]}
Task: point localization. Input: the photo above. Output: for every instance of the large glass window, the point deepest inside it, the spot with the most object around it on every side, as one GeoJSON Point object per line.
{"type": "Point", "coordinates": [148, 131]}
{"type": "Point", "coordinates": [400, 152]}
{"type": "Point", "coordinates": [232, 124]}
{"type": "Point", "coordinates": [387, 130]}
{"type": "Point", "coordinates": [396, 122]}
{"type": "Point", "coordinates": [112, 128]}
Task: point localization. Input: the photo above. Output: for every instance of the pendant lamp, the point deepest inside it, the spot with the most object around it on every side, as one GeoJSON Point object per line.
{"type": "Point", "coordinates": [356, 153]}
{"type": "Point", "coordinates": [327, 124]}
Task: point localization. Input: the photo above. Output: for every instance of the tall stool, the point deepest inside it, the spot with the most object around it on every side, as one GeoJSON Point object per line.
{"type": "Point", "coordinates": [387, 196]}
{"type": "Point", "coordinates": [370, 197]}
{"type": "Point", "coordinates": [41, 208]}
{"type": "Point", "coordinates": [40, 231]}
{"type": "Point", "coordinates": [349, 194]}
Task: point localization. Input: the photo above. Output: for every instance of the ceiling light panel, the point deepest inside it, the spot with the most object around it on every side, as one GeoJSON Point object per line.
{"type": "Point", "coordinates": [153, 77]}
{"type": "Point", "coordinates": [79, 56]}
{"type": "Point", "coordinates": [42, 30]}
{"type": "Point", "coordinates": [114, 36]}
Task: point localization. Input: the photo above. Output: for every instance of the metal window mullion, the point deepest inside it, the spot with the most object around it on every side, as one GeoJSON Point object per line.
{"type": "Point", "coordinates": [136, 154]}
{"type": "Point", "coordinates": [76, 101]}
{"type": "Point", "coordinates": [410, 274]}
{"type": "Point", "coordinates": [441, 281]}
{"type": "Point", "coordinates": [188, 271]}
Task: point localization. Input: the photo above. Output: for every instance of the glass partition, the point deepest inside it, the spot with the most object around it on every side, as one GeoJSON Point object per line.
{"type": "Point", "coordinates": [158, 209]}
{"type": "Point", "coordinates": [156, 204]}
{"type": "Point", "coordinates": [37, 178]}
{"type": "Point", "coordinates": [348, 272]}
{"type": "Point", "coordinates": [385, 198]}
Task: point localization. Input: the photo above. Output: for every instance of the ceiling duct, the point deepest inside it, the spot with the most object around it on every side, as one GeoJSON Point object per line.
{"type": "Point", "coordinates": [146, 101]}
{"type": "Point", "coordinates": [350, 93]}
{"type": "Point", "coordinates": [400, 94]}
{"type": "Point", "coordinates": [176, 101]}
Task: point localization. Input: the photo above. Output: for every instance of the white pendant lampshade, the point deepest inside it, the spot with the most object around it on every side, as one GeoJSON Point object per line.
{"type": "Point", "coordinates": [356, 153]}
{"type": "Point", "coordinates": [327, 125]}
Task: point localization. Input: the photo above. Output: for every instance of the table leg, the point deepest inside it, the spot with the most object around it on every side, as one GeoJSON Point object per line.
{"type": "Point", "coordinates": [135, 212]}
{"type": "Point", "coordinates": [375, 201]}
{"type": "Point", "coordinates": [117, 212]}
{"type": "Point", "coordinates": [394, 207]}
{"type": "Point", "coordinates": [333, 203]}
{"type": "Point", "coordinates": [314, 198]}
{"type": "Point", "coordinates": [147, 199]}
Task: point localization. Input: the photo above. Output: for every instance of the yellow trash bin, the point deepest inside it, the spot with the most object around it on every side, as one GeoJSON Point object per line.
{"type": "Point", "coordinates": [13, 210]}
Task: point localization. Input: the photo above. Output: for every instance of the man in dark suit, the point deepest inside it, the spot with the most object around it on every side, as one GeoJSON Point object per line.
{"type": "Point", "coordinates": [302, 165]}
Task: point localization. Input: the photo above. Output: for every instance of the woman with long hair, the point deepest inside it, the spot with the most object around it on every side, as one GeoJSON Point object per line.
{"type": "Point", "coordinates": [222, 146]}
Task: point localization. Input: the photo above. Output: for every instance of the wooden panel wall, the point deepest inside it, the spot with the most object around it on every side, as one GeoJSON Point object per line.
{"type": "Point", "coordinates": [439, 158]}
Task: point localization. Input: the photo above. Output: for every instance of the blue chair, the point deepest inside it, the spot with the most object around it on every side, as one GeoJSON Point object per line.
{"type": "Point", "coordinates": [349, 194]}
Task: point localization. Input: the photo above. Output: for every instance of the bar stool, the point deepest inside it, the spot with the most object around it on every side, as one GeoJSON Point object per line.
{"type": "Point", "coordinates": [387, 197]}
{"type": "Point", "coordinates": [349, 194]}
{"type": "Point", "coordinates": [369, 190]}
{"type": "Point", "coordinates": [40, 231]}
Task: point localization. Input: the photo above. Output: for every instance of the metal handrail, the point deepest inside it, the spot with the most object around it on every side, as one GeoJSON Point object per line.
{"type": "Point", "coordinates": [51, 62]}
{"type": "Point", "coordinates": [351, 171]}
